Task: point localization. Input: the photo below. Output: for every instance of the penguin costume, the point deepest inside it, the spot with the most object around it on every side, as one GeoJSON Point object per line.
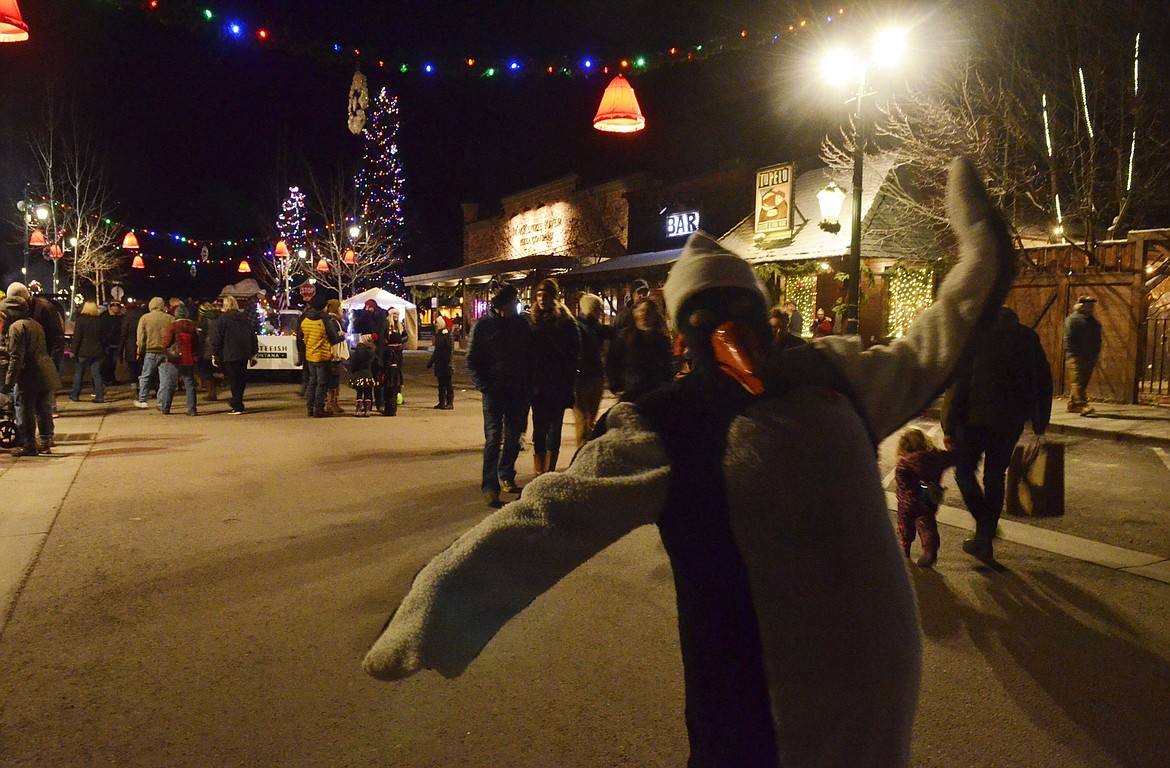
{"type": "Point", "coordinates": [797, 622]}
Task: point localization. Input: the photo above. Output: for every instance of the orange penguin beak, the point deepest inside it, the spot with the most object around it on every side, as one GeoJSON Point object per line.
{"type": "Point", "coordinates": [739, 354]}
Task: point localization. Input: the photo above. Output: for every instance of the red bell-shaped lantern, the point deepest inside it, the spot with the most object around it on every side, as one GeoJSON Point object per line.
{"type": "Point", "coordinates": [138, 263]}
{"type": "Point", "coordinates": [244, 266]}
{"type": "Point", "coordinates": [350, 257]}
{"type": "Point", "coordinates": [619, 111]}
{"type": "Point", "coordinates": [130, 242]}
{"type": "Point", "coordinates": [37, 239]}
{"type": "Point", "coordinates": [12, 26]}
{"type": "Point", "coordinates": [322, 265]}
{"type": "Point", "coordinates": [55, 252]}
{"type": "Point", "coordinates": [280, 251]}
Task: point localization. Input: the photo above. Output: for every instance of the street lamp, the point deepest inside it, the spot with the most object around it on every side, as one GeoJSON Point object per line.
{"type": "Point", "coordinates": [355, 231]}
{"type": "Point", "coordinates": [840, 68]}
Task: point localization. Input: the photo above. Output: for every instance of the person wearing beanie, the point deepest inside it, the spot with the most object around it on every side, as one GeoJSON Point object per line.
{"type": "Point", "coordinates": [590, 381]}
{"type": "Point", "coordinates": [556, 346]}
{"type": "Point", "coordinates": [637, 290]}
{"type": "Point", "coordinates": [798, 627]}
{"type": "Point", "coordinates": [234, 346]}
{"type": "Point", "coordinates": [1082, 347]}
{"type": "Point", "coordinates": [440, 361]}
{"type": "Point", "coordinates": [27, 373]}
{"type": "Point", "coordinates": [316, 335]}
{"type": "Point", "coordinates": [52, 320]}
{"type": "Point", "coordinates": [183, 337]}
{"type": "Point", "coordinates": [641, 357]}
{"type": "Point", "coordinates": [152, 328]}
{"type": "Point", "coordinates": [500, 364]}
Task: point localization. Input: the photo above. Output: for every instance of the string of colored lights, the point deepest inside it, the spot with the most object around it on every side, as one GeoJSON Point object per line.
{"type": "Point", "coordinates": [237, 28]}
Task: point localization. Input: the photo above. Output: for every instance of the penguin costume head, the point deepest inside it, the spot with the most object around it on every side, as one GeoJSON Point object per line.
{"type": "Point", "coordinates": [720, 307]}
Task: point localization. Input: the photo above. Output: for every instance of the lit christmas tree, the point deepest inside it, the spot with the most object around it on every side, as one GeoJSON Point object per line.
{"type": "Point", "coordinates": [291, 222]}
{"type": "Point", "coordinates": [381, 193]}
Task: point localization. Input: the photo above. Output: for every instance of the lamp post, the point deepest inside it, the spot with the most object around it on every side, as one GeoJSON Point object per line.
{"type": "Point", "coordinates": [839, 67]}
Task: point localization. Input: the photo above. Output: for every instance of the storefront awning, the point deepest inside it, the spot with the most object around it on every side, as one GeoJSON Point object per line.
{"type": "Point", "coordinates": [619, 266]}
{"type": "Point", "coordinates": [485, 270]}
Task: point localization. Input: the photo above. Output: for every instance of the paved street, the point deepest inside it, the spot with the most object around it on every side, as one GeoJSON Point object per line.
{"type": "Point", "coordinates": [200, 592]}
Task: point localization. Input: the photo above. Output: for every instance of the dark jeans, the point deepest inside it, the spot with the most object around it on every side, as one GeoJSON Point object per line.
{"type": "Point", "coordinates": [236, 372]}
{"type": "Point", "coordinates": [446, 388]}
{"type": "Point", "coordinates": [986, 503]}
{"type": "Point", "coordinates": [318, 384]}
{"type": "Point", "coordinates": [34, 413]}
{"type": "Point", "coordinates": [505, 417]}
{"type": "Point", "coordinates": [95, 372]}
{"type": "Point", "coordinates": [547, 421]}
{"type": "Point", "coordinates": [110, 366]}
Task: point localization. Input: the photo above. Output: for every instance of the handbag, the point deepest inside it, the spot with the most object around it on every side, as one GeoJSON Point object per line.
{"type": "Point", "coordinates": [340, 351]}
{"type": "Point", "coordinates": [1035, 480]}
{"type": "Point", "coordinates": [174, 351]}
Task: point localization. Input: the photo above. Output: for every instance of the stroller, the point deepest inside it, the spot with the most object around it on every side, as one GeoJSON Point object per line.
{"type": "Point", "coordinates": [9, 434]}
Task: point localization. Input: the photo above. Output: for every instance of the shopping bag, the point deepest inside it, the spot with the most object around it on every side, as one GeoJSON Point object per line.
{"type": "Point", "coordinates": [1035, 480]}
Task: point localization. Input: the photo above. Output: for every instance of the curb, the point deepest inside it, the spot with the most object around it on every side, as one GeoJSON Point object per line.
{"type": "Point", "coordinates": [1075, 430]}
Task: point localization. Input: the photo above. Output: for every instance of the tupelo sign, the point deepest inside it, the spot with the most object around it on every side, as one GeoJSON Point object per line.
{"type": "Point", "coordinates": [773, 214]}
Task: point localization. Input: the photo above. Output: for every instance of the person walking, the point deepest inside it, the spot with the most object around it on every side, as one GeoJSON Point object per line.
{"type": "Point", "coordinates": [29, 374]}
{"type": "Point", "coordinates": [317, 334]}
{"type": "Point", "coordinates": [234, 345]}
{"type": "Point", "coordinates": [128, 344]}
{"type": "Point", "coordinates": [499, 361]}
{"type": "Point", "coordinates": [208, 314]}
{"type": "Point", "coordinates": [337, 363]}
{"type": "Point", "coordinates": [182, 335]}
{"type": "Point", "coordinates": [1082, 347]}
{"type": "Point", "coordinates": [590, 381]}
{"type": "Point", "coordinates": [111, 327]}
{"type": "Point", "coordinates": [918, 477]}
{"type": "Point", "coordinates": [556, 346]}
{"type": "Point", "coordinates": [152, 329]}
{"type": "Point", "coordinates": [89, 351]}
{"type": "Point", "coordinates": [440, 361]}
{"type": "Point", "coordinates": [641, 357]}
{"type": "Point", "coordinates": [1006, 384]}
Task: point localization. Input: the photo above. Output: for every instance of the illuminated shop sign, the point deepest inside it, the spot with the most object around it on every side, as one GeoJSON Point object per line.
{"type": "Point", "coordinates": [544, 230]}
{"type": "Point", "coordinates": [774, 201]}
{"type": "Point", "coordinates": [682, 224]}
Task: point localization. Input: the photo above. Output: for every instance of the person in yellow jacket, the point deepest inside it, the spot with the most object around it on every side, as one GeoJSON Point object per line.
{"type": "Point", "coordinates": [318, 333]}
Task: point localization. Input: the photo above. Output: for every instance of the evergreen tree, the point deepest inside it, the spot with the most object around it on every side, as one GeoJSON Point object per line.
{"type": "Point", "coordinates": [381, 192]}
{"type": "Point", "coordinates": [291, 222]}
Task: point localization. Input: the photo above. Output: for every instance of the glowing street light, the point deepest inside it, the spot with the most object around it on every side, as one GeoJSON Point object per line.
{"type": "Point", "coordinates": [841, 68]}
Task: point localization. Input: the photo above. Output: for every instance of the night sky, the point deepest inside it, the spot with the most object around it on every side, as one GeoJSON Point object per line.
{"type": "Point", "coordinates": [203, 133]}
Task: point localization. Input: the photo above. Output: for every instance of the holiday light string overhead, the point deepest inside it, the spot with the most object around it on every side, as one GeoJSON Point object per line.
{"type": "Point", "coordinates": [234, 27]}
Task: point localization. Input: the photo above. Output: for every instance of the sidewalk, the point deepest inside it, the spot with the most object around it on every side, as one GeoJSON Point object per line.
{"type": "Point", "coordinates": [1146, 424]}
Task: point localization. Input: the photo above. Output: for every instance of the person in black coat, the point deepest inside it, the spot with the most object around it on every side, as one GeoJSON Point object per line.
{"type": "Point", "coordinates": [1005, 385]}
{"type": "Point", "coordinates": [556, 347]}
{"type": "Point", "coordinates": [111, 325]}
{"type": "Point", "coordinates": [233, 345]}
{"type": "Point", "coordinates": [640, 357]}
{"type": "Point", "coordinates": [372, 322]}
{"type": "Point", "coordinates": [590, 368]}
{"type": "Point", "coordinates": [499, 361]}
{"type": "Point", "coordinates": [88, 349]}
{"type": "Point", "coordinates": [441, 363]}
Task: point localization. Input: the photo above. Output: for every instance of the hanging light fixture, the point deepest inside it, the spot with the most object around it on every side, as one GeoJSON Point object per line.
{"type": "Point", "coordinates": [244, 266]}
{"type": "Point", "coordinates": [350, 257]}
{"type": "Point", "coordinates": [138, 263]}
{"type": "Point", "coordinates": [55, 252]}
{"type": "Point", "coordinates": [322, 265]}
{"type": "Point", "coordinates": [130, 242]}
{"type": "Point", "coordinates": [281, 250]}
{"type": "Point", "coordinates": [37, 239]}
{"type": "Point", "coordinates": [12, 26]}
{"type": "Point", "coordinates": [830, 199]}
{"type": "Point", "coordinates": [619, 111]}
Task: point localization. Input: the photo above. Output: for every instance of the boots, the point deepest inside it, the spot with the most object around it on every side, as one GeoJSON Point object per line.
{"type": "Point", "coordinates": [538, 463]}
{"type": "Point", "coordinates": [28, 449]}
{"type": "Point", "coordinates": [368, 407]}
{"type": "Point", "coordinates": [550, 461]}
{"type": "Point", "coordinates": [331, 402]}
{"type": "Point", "coordinates": [44, 445]}
{"type": "Point", "coordinates": [212, 388]}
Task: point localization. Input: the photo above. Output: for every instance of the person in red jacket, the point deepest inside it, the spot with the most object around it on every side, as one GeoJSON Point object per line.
{"type": "Point", "coordinates": [183, 332]}
{"type": "Point", "coordinates": [917, 477]}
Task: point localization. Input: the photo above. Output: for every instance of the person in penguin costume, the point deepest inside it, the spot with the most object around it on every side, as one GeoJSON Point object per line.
{"type": "Point", "coordinates": [797, 621]}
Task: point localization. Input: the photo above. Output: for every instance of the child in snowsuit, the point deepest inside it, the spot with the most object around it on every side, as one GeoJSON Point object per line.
{"type": "Point", "coordinates": [919, 470]}
{"type": "Point", "coordinates": [361, 377]}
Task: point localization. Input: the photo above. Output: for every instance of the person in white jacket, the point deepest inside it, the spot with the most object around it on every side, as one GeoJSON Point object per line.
{"type": "Point", "coordinates": [797, 622]}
